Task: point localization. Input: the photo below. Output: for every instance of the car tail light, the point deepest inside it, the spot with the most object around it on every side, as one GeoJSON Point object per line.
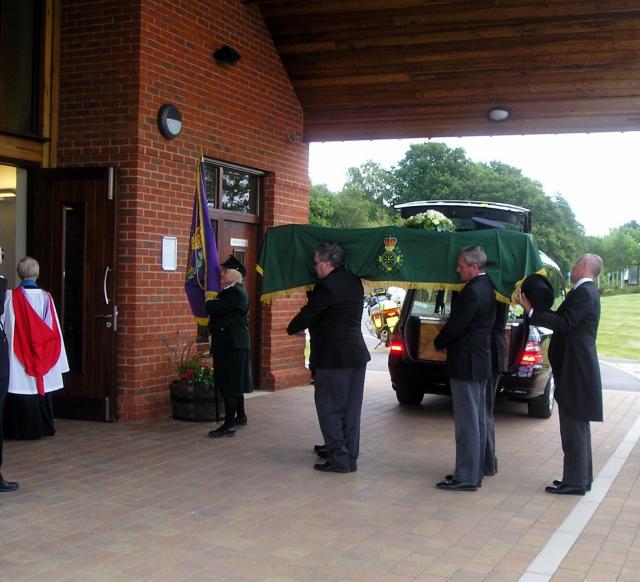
{"type": "Point", "coordinates": [396, 347]}
{"type": "Point", "coordinates": [532, 354]}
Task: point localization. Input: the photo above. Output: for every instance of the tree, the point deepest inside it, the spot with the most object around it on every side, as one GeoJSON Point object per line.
{"type": "Point", "coordinates": [351, 210]}
{"type": "Point", "coordinates": [374, 181]}
{"type": "Point", "coordinates": [321, 206]}
{"type": "Point", "coordinates": [431, 171]}
{"type": "Point", "coordinates": [363, 202]}
{"type": "Point", "coordinates": [434, 171]}
{"type": "Point", "coordinates": [621, 248]}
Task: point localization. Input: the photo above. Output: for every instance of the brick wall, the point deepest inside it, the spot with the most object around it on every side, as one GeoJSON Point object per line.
{"type": "Point", "coordinates": [120, 61]}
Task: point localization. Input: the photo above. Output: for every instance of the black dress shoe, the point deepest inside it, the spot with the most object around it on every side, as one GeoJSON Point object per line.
{"type": "Point", "coordinates": [565, 490]}
{"type": "Point", "coordinates": [241, 420]}
{"type": "Point", "coordinates": [6, 486]}
{"type": "Point", "coordinates": [558, 483]}
{"type": "Point", "coordinates": [455, 485]}
{"type": "Point", "coordinates": [317, 448]}
{"type": "Point", "coordinates": [451, 478]}
{"type": "Point", "coordinates": [223, 431]}
{"type": "Point", "coordinates": [329, 468]}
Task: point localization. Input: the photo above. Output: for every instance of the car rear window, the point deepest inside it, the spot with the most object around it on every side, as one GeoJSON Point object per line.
{"type": "Point", "coordinates": [428, 302]}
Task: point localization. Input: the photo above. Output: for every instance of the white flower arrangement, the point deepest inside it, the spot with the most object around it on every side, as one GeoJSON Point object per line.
{"type": "Point", "coordinates": [430, 220]}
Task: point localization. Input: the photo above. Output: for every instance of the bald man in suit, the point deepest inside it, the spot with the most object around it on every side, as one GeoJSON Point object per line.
{"type": "Point", "coordinates": [574, 361]}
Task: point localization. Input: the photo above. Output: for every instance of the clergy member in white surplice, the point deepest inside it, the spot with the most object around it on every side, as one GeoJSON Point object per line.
{"type": "Point", "coordinates": [37, 357]}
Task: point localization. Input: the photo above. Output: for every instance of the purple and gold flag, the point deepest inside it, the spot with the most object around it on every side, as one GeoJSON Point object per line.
{"type": "Point", "coordinates": [202, 278]}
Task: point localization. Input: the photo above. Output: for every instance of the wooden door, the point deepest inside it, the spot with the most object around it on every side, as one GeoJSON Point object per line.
{"type": "Point", "coordinates": [72, 233]}
{"type": "Point", "coordinates": [241, 240]}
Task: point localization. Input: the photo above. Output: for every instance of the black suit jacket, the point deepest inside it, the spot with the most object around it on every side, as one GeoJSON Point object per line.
{"type": "Point", "coordinates": [572, 351]}
{"type": "Point", "coordinates": [4, 355]}
{"type": "Point", "coordinates": [333, 316]}
{"type": "Point", "coordinates": [499, 345]}
{"type": "Point", "coordinates": [467, 333]}
{"type": "Point", "coordinates": [228, 320]}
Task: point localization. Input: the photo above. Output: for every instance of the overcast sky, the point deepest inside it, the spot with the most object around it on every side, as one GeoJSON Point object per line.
{"type": "Point", "coordinates": [598, 174]}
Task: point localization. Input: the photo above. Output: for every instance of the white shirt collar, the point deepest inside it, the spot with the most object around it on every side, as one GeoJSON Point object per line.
{"type": "Point", "coordinates": [581, 281]}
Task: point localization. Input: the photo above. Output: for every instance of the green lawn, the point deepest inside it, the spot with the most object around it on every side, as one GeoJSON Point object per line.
{"type": "Point", "coordinates": [619, 329]}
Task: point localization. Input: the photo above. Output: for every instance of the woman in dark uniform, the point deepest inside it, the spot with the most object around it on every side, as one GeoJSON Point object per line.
{"type": "Point", "coordinates": [230, 345]}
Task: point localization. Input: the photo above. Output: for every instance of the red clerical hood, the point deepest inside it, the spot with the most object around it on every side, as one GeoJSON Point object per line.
{"type": "Point", "coordinates": [36, 345]}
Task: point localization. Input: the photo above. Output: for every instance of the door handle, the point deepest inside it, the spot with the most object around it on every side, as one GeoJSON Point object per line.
{"type": "Point", "coordinates": [107, 316]}
{"type": "Point", "coordinates": [104, 285]}
{"type": "Point", "coordinates": [113, 316]}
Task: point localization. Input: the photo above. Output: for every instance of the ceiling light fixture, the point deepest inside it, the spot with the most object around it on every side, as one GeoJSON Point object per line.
{"type": "Point", "coordinates": [499, 113]}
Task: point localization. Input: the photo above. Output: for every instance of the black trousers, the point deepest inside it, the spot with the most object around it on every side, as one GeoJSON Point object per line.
{"type": "Point", "coordinates": [576, 446]}
{"type": "Point", "coordinates": [233, 408]}
{"type": "Point", "coordinates": [338, 397]}
{"type": "Point", "coordinates": [468, 400]}
{"type": "Point", "coordinates": [490, 459]}
{"type": "Point", "coordinates": [4, 383]}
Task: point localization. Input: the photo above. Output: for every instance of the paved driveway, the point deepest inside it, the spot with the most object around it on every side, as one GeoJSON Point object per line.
{"type": "Point", "coordinates": [161, 501]}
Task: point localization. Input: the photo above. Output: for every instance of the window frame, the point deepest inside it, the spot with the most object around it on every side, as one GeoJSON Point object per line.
{"type": "Point", "coordinates": [216, 212]}
{"type": "Point", "coordinates": [39, 68]}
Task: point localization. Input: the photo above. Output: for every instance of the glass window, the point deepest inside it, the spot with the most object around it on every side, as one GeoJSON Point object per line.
{"type": "Point", "coordinates": [232, 188]}
{"type": "Point", "coordinates": [239, 191]}
{"type": "Point", "coordinates": [211, 186]}
{"type": "Point", "coordinates": [20, 26]}
{"type": "Point", "coordinates": [427, 302]}
{"type": "Point", "coordinates": [240, 255]}
{"type": "Point", "coordinates": [73, 296]}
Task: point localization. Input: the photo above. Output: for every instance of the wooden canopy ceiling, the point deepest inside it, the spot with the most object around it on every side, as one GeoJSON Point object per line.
{"type": "Point", "coordinates": [367, 69]}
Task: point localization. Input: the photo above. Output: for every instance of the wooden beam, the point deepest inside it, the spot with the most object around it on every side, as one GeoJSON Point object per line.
{"type": "Point", "coordinates": [18, 150]}
{"type": "Point", "coordinates": [463, 119]}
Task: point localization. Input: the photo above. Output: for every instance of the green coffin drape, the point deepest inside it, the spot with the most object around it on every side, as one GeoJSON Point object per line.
{"type": "Point", "coordinates": [393, 255]}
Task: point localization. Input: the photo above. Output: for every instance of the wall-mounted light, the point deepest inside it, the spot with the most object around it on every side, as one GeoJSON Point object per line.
{"type": "Point", "coordinates": [7, 193]}
{"type": "Point", "coordinates": [169, 121]}
{"type": "Point", "coordinates": [225, 54]}
{"type": "Point", "coordinates": [499, 113]}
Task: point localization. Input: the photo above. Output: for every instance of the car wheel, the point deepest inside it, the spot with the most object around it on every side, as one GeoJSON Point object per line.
{"type": "Point", "coordinates": [409, 397]}
{"type": "Point", "coordinates": [542, 407]}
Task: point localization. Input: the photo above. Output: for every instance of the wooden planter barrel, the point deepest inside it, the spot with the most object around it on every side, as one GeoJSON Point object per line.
{"type": "Point", "coordinates": [195, 404]}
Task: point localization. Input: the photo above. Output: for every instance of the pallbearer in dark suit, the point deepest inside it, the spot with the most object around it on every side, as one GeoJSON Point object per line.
{"type": "Point", "coordinates": [339, 356]}
{"type": "Point", "coordinates": [466, 337]}
{"type": "Point", "coordinates": [574, 362]}
{"type": "Point", "coordinates": [499, 364]}
{"type": "Point", "coordinates": [230, 345]}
